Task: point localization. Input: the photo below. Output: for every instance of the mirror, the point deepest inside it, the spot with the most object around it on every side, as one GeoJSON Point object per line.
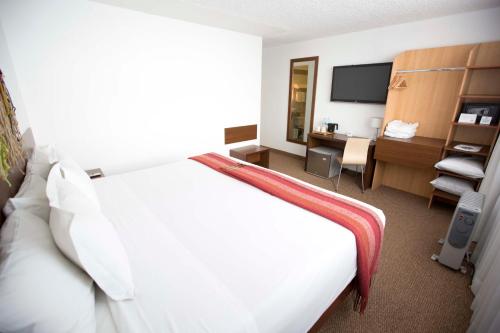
{"type": "Point", "coordinates": [301, 98]}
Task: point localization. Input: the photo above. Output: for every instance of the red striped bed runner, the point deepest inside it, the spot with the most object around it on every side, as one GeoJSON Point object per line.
{"type": "Point", "coordinates": [364, 223]}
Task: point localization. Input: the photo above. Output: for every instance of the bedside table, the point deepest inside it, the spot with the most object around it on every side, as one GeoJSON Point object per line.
{"type": "Point", "coordinates": [252, 154]}
{"type": "Point", "coordinates": [95, 173]}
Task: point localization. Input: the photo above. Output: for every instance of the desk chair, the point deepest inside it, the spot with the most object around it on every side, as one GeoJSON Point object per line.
{"type": "Point", "coordinates": [355, 153]}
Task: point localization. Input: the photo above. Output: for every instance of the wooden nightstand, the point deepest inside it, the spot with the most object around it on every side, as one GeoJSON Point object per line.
{"type": "Point", "coordinates": [95, 173]}
{"type": "Point", "coordinates": [253, 154]}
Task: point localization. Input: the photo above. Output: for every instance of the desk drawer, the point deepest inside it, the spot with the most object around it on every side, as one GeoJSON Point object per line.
{"type": "Point", "coordinates": [407, 153]}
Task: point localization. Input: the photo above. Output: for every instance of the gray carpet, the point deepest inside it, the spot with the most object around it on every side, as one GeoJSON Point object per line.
{"type": "Point", "coordinates": [411, 293]}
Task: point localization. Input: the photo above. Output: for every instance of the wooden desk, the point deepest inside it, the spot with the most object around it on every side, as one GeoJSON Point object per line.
{"type": "Point", "coordinates": [252, 154]}
{"type": "Point", "coordinates": [407, 164]}
{"type": "Point", "coordinates": [338, 141]}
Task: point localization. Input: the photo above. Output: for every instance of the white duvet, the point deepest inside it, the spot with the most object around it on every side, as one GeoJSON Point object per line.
{"type": "Point", "coordinates": [209, 253]}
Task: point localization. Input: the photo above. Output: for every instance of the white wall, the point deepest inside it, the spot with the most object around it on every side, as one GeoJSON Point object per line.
{"type": "Point", "coordinates": [120, 89]}
{"type": "Point", "coordinates": [371, 46]}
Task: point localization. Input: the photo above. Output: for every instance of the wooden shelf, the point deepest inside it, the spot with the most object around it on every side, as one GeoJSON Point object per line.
{"type": "Point", "coordinates": [456, 175]}
{"type": "Point", "coordinates": [481, 98]}
{"type": "Point", "coordinates": [444, 195]}
{"type": "Point", "coordinates": [455, 123]}
{"type": "Point", "coordinates": [485, 150]}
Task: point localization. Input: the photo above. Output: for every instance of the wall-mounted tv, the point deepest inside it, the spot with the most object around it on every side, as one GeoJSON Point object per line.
{"type": "Point", "coordinates": [361, 83]}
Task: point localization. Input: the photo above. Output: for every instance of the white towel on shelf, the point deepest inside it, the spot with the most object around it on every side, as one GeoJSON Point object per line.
{"type": "Point", "coordinates": [400, 135]}
{"type": "Point", "coordinates": [401, 126]}
{"type": "Point", "coordinates": [400, 129]}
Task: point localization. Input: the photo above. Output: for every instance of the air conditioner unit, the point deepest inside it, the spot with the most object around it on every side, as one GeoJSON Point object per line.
{"type": "Point", "coordinates": [458, 238]}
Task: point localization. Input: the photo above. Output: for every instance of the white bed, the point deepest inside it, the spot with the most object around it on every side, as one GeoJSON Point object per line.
{"type": "Point", "coordinates": [209, 253]}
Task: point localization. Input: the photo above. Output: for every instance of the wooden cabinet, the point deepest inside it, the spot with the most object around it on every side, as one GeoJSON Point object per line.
{"type": "Point", "coordinates": [417, 152]}
{"type": "Point", "coordinates": [407, 164]}
{"type": "Point", "coordinates": [252, 154]}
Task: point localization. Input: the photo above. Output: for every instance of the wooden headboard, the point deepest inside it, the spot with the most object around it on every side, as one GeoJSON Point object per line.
{"type": "Point", "coordinates": [240, 133]}
{"type": "Point", "coordinates": [16, 175]}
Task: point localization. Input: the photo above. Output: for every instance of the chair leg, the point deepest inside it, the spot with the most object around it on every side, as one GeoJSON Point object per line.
{"type": "Point", "coordinates": [338, 180]}
{"type": "Point", "coordinates": [362, 180]}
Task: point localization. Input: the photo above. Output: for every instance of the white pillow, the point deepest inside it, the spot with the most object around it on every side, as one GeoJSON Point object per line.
{"type": "Point", "coordinates": [31, 197]}
{"type": "Point", "coordinates": [465, 166]}
{"type": "Point", "coordinates": [55, 175]}
{"type": "Point", "coordinates": [88, 239]}
{"type": "Point", "coordinates": [73, 173]}
{"type": "Point", "coordinates": [33, 186]}
{"type": "Point", "coordinates": [57, 197]}
{"type": "Point", "coordinates": [452, 185]}
{"type": "Point", "coordinates": [41, 161]}
{"type": "Point", "coordinates": [40, 290]}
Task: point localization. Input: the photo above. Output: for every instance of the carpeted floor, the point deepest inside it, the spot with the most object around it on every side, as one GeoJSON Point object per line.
{"type": "Point", "coordinates": [411, 293]}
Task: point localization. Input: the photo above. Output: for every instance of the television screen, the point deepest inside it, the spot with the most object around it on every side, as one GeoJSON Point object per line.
{"type": "Point", "coordinates": [361, 83]}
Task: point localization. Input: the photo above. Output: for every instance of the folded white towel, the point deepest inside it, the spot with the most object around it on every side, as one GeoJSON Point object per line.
{"type": "Point", "coordinates": [397, 134]}
{"type": "Point", "coordinates": [400, 126]}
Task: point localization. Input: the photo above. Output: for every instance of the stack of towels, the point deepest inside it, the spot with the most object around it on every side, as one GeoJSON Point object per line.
{"type": "Point", "coordinates": [400, 129]}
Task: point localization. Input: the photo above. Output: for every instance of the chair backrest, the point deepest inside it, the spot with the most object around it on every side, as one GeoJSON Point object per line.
{"type": "Point", "coordinates": [356, 151]}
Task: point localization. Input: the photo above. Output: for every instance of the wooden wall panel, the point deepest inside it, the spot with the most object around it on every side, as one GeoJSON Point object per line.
{"type": "Point", "coordinates": [488, 54]}
{"type": "Point", "coordinates": [430, 96]}
{"type": "Point", "coordinates": [429, 100]}
{"type": "Point", "coordinates": [404, 178]}
{"type": "Point", "coordinates": [451, 56]}
{"type": "Point", "coordinates": [484, 82]}
{"type": "Point", "coordinates": [240, 133]}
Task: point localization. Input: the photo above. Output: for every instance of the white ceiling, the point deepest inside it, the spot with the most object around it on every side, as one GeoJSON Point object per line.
{"type": "Point", "coordinates": [284, 21]}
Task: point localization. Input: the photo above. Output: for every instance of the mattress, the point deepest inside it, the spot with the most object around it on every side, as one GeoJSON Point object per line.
{"type": "Point", "coordinates": [209, 253]}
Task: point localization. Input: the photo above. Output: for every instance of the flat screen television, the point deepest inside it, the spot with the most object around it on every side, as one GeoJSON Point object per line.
{"type": "Point", "coordinates": [361, 83]}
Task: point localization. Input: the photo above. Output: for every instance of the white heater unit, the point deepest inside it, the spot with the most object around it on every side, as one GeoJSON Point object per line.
{"type": "Point", "coordinates": [458, 238]}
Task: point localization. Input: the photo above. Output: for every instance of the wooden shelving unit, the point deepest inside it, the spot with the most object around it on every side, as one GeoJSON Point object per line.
{"type": "Point", "coordinates": [485, 150]}
{"type": "Point", "coordinates": [480, 83]}
{"type": "Point", "coordinates": [423, 88]}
